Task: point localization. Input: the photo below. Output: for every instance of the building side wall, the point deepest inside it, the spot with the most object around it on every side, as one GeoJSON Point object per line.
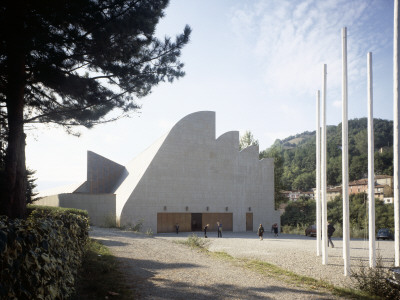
{"type": "Point", "coordinates": [102, 173]}
{"type": "Point", "coordinates": [100, 207]}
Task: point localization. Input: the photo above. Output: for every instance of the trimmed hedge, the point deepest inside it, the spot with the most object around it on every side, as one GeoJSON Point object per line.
{"type": "Point", "coordinates": [40, 256]}
{"type": "Point", "coordinates": [41, 210]}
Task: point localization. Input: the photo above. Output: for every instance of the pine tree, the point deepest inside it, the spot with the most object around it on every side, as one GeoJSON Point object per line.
{"type": "Point", "coordinates": [71, 63]}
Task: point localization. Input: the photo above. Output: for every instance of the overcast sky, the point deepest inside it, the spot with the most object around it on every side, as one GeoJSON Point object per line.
{"type": "Point", "coordinates": [257, 64]}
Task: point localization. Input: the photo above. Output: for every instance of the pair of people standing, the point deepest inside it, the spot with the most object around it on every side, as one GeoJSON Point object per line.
{"type": "Point", "coordinates": [260, 230]}
{"type": "Point", "coordinates": [219, 229]}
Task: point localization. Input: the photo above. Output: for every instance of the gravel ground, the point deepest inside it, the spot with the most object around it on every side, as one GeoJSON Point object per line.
{"type": "Point", "coordinates": [161, 269]}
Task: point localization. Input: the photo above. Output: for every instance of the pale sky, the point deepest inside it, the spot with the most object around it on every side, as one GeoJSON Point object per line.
{"type": "Point", "coordinates": [257, 64]}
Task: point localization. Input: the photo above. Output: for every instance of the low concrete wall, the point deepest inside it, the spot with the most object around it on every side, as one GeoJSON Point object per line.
{"type": "Point", "coordinates": [100, 207]}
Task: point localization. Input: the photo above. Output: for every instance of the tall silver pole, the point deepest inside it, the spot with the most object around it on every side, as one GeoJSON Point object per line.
{"type": "Point", "coordinates": [318, 177]}
{"type": "Point", "coordinates": [396, 137]}
{"type": "Point", "coordinates": [345, 158]}
{"type": "Point", "coordinates": [371, 178]}
{"type": "Point", "coordinates": [323, 173]}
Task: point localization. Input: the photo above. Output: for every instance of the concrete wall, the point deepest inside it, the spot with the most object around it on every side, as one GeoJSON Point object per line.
{"type": "Point", "coordinates": [190, 171]}
{"type": "Point", "coordinates": [102, 173]}
{"type": "Point", "coordinates": [100, 207]}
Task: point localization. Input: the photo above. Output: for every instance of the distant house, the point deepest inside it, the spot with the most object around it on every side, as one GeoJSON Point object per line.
{"type": "Point", "coordinates": [291, 195]}
{"type": "Point", "coordinates": [296, 195]}
{"type": "Point", "coordinates": [384, 180]}
{"type": "Point", "coordinates": [358, 186]}
{"type": "Point", "coordinates": [388, 200]}
{"type": "Point", "coordinates": [380, 191]}
{"type": "Point", "coordinates": [308, 194]}
{"type": "Point", "coordinates": [333, 192]}
{"type": "Point", "coordinates": [383, 188]}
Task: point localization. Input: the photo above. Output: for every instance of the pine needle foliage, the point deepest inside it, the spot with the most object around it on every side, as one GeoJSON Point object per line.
{"type": "Point", "coordinates": [72, 63]}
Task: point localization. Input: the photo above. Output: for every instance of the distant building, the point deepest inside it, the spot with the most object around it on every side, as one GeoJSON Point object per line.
{"type": "Point", "coordinates": [358, 186]}
{"type": "Point", "coordinates": [388, 200]}
{"type": "Point", "coordinates": [383, 188]}
{"type": "Point", "coordinates": [333, 192]}
{"type": "Point", "coordinates": [384, 180]}
{"type": "Point", "coordinates": [296, 195]}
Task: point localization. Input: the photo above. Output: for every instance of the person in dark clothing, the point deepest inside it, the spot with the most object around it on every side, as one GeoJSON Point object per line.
{"type": "Point", "coordinates": [260, 232]}
{"type": "Point", "coordinates": [275, 229]}
{"type": "Point", "coordinates": [177, 228]}
{"type": "Point", "coordinates": [219, 228]}
{"type": "Point", "coordinates": [205, 231]}
{"type": "Point", "coordinates": [331, 230]}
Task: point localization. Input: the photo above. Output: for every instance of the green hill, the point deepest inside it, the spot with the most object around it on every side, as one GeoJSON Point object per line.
{"type": "Point", "coordinates": [295, 155]}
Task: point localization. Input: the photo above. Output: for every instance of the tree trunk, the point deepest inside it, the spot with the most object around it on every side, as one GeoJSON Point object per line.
{"type": "Point", "coordinates": [14, 202]}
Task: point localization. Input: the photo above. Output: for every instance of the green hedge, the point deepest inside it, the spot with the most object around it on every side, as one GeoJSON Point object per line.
{"type": "Point", "coordinates": [40, 256]}
{"type": "Point", "coordinates": [54, 211]}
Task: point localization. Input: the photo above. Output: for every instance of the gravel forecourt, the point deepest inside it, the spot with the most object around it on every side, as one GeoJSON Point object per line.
{"type": "Point", "coordinates": [159, 268]}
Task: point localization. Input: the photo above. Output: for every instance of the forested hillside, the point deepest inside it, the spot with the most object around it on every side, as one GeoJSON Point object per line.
{"type": "Point", "coordinates": [295, 156]}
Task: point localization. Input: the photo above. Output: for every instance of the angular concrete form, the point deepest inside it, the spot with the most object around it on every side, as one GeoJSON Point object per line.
{"type": "Point", "coordinates": [191, 178]}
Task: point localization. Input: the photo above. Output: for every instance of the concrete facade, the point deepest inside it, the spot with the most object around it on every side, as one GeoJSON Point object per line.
{"type": "Point", "coordinates": [189, 175]}
{"type": "Point", "coordinates": [100, 207]}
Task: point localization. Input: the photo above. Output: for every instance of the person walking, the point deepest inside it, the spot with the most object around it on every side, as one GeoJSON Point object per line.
{"type": "Point", "coordinates": [205, 230]}
{"type": "Point", "coordinates": [260, 232]}
{"type": "Point", "coordinates": [177, 228]}
{"type": "Point", "coordinates": [331, 230]}
{"type": "Point", "coordinates": [275, 229]}
{"type": "Point", "coordinates": [219, 228]}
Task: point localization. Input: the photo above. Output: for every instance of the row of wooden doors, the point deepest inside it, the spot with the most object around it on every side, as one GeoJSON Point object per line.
{"type": "Point", "coordinates": [189, 222]}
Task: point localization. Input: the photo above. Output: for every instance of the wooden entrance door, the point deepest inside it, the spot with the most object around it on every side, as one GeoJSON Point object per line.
{"type": "Point", "coordinates": [249, 221]}
{"type": "Point", "coordinates": [196, 222]}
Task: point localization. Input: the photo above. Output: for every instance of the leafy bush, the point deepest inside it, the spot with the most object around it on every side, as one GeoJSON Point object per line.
{"type": "Point", "coordinates": [149, 232]}
{"type": "Point", "coordinates": [195, 242]}
{"type": "Point", "coordinates": [299, 229]}
{"type": "Point", "coordinates": [54, 211]}
{"type": "Point", "coordinates": [39, 257]}
{"type": "Point", "coordinates": [135, 227]}
{"type": "Point", "coordinates": [373, 281]}
{"type": "Point", "coordinates": [301, 213]}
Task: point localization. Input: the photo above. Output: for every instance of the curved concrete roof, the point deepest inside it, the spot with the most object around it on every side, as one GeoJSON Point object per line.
{"type": "Point", "coordinates": [192, 124]}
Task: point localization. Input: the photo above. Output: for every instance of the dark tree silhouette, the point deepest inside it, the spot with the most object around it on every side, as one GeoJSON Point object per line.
{"type": "Point", "coordinates": [71, 63]}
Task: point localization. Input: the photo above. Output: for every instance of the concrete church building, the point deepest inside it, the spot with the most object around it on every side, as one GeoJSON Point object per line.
{"type": "Point", "coordinates": [187, 177]}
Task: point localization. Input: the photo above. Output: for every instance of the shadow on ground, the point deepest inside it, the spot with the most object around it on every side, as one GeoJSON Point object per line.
{"type": "Point", "coordinates": [141, 275]}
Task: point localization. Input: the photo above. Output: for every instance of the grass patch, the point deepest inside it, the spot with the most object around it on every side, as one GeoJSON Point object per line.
{"type": "Point", "coordinates": [223, 255]}
{"type": "Point", "coordinates": [300, 280]}
{"type": "Point", "coordinates": [99, 276]}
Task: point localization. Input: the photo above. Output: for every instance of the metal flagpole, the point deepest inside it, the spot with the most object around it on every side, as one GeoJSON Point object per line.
{"type": "Point", "coordinates": [318, 177]}
{"type": "Point", "coordinates": [396, 137]}
{"type": "Point", "coordinates": [345, 158]}
{"type": "Point", "coordinates": [323, 172]}
{"type": "Point", "coordinates": [371, 179]}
